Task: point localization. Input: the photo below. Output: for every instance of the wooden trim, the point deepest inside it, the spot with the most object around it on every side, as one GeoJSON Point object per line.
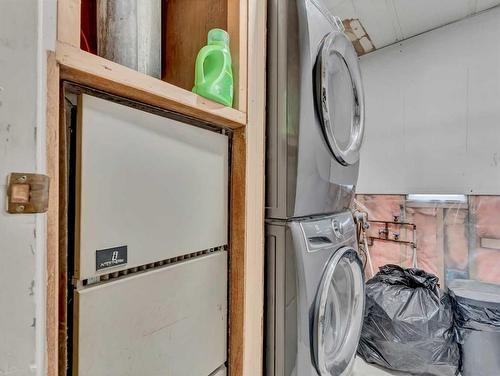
{"type": "Point", "coordinates": [237, 24]}
{"type": "Point", "coordinates": [247, 210]}
{"type": "Point", "coordinates": [440, 244]}
{"type": "Point", "coordinates": [76, 331]}
{"type": "Point", "coordinates": [255, 192]}
{"type": "Point", "coordinates": [68, 22]}
{"type": "Point", "coordinates": [53, 215]}
{"type": "Point", "coordinates": [63, 149]}
{"type": "Point", "coordinates": [94, 71]}
{"type": "Point", "coordinates": [491, 243]}
{"type": "Point", "coordinates": [237, 254]}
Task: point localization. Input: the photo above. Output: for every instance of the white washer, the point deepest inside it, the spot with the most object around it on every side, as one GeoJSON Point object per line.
{"type": "Point", "coordinates": [315, 296]}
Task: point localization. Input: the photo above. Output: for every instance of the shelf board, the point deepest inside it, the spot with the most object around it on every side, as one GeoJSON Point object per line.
{"type": "Point", "coordinates": [88, 69]}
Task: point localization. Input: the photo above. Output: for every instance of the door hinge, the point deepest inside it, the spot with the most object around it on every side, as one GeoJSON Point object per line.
{"type": "Point", "coordinates": [27, 193]}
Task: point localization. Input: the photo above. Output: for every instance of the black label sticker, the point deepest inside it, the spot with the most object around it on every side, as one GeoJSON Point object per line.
{"type": "Point", "coordinates": [107, 258]}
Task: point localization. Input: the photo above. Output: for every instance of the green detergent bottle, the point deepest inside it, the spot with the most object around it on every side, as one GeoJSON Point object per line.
{"type": "Point", "coordinates": [213, 73]}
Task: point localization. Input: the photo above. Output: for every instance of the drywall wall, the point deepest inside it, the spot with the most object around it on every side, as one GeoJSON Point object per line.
{"type": "Point", "coordinates": [27, 28]}
{"type": "Point", "coordinates": [433, 113]}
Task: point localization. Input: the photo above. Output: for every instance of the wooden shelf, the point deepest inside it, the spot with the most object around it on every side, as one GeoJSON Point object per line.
{"type": "Point", "coordinates": [91, 70]}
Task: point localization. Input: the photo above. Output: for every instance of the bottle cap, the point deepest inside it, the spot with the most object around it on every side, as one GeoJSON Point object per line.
{"type": "Point", "coordinates": [218, 36]}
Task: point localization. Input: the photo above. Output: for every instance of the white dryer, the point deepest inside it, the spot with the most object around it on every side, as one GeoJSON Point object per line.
{"type": "Point", "coordinates": [315, 112]}
{"type": "Point", "coordinates": [315, 296]}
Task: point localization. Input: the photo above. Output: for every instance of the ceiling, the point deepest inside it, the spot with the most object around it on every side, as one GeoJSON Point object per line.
{"type": "Point", "coordinates": [389, 21]}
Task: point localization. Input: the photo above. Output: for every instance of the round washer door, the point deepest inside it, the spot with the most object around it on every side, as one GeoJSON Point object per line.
{"type": "Point", "coordinates": [338, 313]}
{"type": "Point", "coordinates": [340, 98]}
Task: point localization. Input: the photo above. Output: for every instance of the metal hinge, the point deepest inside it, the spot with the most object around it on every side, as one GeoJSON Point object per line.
{"type": "Point", "coordinates": [27, 193]}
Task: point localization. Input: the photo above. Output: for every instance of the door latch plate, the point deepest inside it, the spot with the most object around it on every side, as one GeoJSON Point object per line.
{"type": "Point", "coordinates": [27, 193]}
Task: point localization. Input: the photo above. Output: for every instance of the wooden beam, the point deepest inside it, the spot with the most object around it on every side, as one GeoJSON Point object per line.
{"type": "Point", "coordinates": [255, 192]}
{"type": "Point", "coordinates": [237, 250]}
{"type": "Point", "coordinates": [247, 210]}
{"type": "Point", "coordinates": [440, 245]}
{"type": "Point", "coordinates": [237, 27]}
{"type": "Point", "coordinates": [96, 72]}
{"type": "Point", "coordinates": [491, 243]}
{"type": "Point", "coordinates": [53, 215]}
{"type": "Point", "coordinates": [68, 22]}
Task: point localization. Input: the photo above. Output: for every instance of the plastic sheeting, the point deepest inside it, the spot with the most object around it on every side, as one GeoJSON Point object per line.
{"type": "Point", "coordinates": [408, 324]}
{"type": "Point", "coordinates": [477, 314]}
{"type": "Point", "coordinates": [472, 317]}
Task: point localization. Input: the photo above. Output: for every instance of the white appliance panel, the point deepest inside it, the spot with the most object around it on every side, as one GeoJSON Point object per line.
{"type": "Point", "coordinates": [169, 321]}
{"type": "Point", "coordinates": [150, 183]}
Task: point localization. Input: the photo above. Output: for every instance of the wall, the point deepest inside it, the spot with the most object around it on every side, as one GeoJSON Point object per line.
{"type": "Point", "coordinates": [432, 112]}
{"type": "Point", "coordinates": [27, 28]}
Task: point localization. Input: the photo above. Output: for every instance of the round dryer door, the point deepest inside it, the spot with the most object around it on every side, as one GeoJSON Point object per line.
{"type": "Point", "coordinates": [339, 97]}
{"type": "Point", "coordinates": [338, 314]}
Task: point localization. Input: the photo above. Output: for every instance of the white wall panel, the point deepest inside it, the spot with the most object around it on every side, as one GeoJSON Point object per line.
{"type": "Point", "coordinates": [390, 21]}
{"type": "Point", "coordinates": [18, 84]}
{"type": "Point", "coordinates": [416, 17]}
{"type": "Point", "coordinates": [150, 183]}
{"type": "Point", "coordinates": [485, 4]}
{"type": "Point", "coordinates": [27, 29]}
{"type": "Point", "coordinates": [433, 113]}
{"type": "Point", "coordinates": [169, 321]}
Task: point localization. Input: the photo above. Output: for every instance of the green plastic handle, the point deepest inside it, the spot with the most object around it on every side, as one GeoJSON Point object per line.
{"type": "Point", "coordinates": [200, 60]}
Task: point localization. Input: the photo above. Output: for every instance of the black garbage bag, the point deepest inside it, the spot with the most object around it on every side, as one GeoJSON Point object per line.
{"type": "Point", "coordinates": [408, 324]}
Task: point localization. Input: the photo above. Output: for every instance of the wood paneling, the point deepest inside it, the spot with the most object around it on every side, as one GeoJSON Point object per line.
{"type": "Point", "coordinates": [194, 19]}
{"type": "Point", "coordinates": [185, 28]}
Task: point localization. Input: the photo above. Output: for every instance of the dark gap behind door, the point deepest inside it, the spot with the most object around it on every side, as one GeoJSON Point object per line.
{"type": "Point", "coordinates": [71, 234]}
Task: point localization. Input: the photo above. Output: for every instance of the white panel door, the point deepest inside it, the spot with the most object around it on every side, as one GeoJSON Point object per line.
{"type": "Point", "coordinates": [169, 321]}
{"type": "Point", "coordinates": [148, 183]}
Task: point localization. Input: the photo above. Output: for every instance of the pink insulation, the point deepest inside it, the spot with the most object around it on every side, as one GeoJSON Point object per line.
{"type": "Point", "coordinates": [485, 212]}
{"type": "Point", "coordinates": [429, 241]}
{"type": "Point", "coordinates": [456, 239]}
{"type": "Point", "coordinates": [442, 235]}
{"type": "Point", "coordinates": [383, 208]}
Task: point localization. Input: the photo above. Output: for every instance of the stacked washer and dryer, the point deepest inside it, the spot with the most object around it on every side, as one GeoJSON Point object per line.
{"type": "Point", "coordinates": [315, 281]}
